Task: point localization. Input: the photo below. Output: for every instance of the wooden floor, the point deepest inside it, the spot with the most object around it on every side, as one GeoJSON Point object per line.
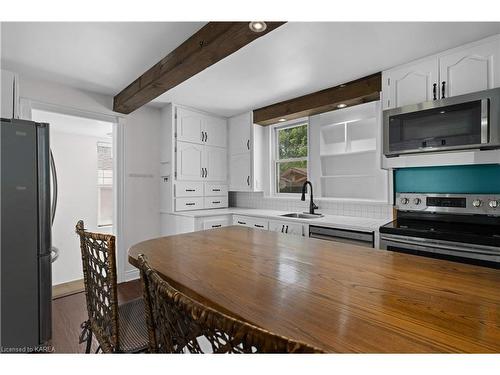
{"type": "Point", "coordinates": [70, 311]}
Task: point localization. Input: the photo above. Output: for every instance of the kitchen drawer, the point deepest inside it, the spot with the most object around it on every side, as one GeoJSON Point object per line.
{"type": "Point", "coordinates": [286, 227]}
{"type": "Point", "coordinates": [216, 202]}
{"type": "Point", "coordinates": [184, 204]}
{"type": "Point", "coordinates": [215, 189]}
{"type": "Point", "coordinates": [251, 222]}
{"type": "Point", "coordinates": [188, 189]}
{"type": "Point", "coordinates": [217, 222]}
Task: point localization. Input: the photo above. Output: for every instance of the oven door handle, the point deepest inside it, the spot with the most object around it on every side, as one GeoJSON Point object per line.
{"type": "Point", "coordinates": [437, 245]}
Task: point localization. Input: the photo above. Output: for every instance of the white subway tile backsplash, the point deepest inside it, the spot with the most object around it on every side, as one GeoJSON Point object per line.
{"type": "Point", "coordinates": [361, 209]}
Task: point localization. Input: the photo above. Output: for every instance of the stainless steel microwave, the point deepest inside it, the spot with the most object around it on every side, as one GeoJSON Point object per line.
{"type": "Point", "coordinates": [470, 121]}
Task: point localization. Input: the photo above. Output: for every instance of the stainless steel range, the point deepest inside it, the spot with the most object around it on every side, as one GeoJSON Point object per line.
{"type": "Point", "coordinates": [459, 227]}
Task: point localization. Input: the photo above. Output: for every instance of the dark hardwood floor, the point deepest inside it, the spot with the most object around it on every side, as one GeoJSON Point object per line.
{"type": "Point", "coordinates": [70, 311]}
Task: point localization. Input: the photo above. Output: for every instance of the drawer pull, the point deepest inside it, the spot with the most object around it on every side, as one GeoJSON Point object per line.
{"type": "Point", "coordinates": [216, 202]}
{"type": "Point", "coordinates": [258, 226]}
{"type": "Point", "coordinates": [242, 222]}
{"type": "Point", "coordinates": [190, 204]}
{"type": "Point", "coordinates": [190, 189]}
{"type": "Point", "coordinates": [215, 189]}
{"type": "Point", "coordinates": [217, 226]}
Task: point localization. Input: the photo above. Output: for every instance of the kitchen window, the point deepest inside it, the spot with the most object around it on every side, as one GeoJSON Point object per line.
{"type": "Point", "coordinates": [104, 184]}
{"type": "Point", "coordinates": [291, 154]}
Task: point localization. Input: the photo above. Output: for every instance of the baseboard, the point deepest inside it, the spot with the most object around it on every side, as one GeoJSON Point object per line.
{"type": "Point", "coordinates": [66, 289]}
{"type": "Point", "coordinates": [131, 275]}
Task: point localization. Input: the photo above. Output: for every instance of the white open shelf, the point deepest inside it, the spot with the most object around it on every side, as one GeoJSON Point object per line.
{"type": "Point", "coordinates": [350, 155]}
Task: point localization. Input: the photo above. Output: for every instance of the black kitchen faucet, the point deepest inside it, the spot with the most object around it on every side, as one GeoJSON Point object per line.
{"type": "Point", "coordinates": [312, 206]}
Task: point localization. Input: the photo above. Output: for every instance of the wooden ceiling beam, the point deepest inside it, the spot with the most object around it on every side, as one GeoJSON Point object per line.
{"type": "Point", "coordinates": [360, 91]}
{"type": "Point", "coordinates": [210, 44]}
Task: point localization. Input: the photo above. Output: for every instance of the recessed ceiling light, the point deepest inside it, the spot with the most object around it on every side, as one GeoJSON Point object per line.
{"type": "Point", "coordinates": [282, 119]}
{"type": "Point", "coordinates": [257, 26]}
{"type": "Point", "coordinates": [341, 105]}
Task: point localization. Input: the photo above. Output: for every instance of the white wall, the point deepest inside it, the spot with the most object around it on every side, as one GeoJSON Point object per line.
{"type": "Point", "coordinates": [141, 133]}
{"type": "Point", "coordinates": [142, 179]}
{"type": "Point", "coordinates": [75, 157]}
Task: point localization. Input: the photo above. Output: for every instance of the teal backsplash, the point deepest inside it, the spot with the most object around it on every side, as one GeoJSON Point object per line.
{"type": "Point", "coordinates": [474, 179]}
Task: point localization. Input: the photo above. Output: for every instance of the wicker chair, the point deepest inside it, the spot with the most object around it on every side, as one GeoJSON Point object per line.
{"type": "Point", "coordinates": [179, 324]}
{"type": "Point", "coordinates": [118, 328]}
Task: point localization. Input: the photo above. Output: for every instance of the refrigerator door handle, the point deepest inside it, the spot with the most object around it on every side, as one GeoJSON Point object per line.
{"type": "Point", "coordinates": [54, 254]}
{"type": "Point", "coordinates": [53, 206]}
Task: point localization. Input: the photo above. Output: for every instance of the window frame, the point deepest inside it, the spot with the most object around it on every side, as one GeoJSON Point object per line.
{"type": "Point", "coordinates": [275, 160]}
{"type": "Point", "coordinates": [100, 186]}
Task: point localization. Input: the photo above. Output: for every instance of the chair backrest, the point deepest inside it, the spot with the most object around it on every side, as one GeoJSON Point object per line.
{"type": "Point", "coordinates": [179, 324]}
{"type": "Point", "coordinates": [99, 275]}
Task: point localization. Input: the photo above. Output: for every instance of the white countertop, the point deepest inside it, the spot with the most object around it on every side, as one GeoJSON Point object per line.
{"type": "Point", "coordinates": [362, 224]}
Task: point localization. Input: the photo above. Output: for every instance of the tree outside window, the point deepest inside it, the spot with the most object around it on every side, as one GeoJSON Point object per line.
{"type": "Point", "coordinates": [291, 158]}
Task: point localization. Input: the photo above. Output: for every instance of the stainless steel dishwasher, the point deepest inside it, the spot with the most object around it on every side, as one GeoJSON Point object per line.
{"type": "Point", "coordinates": [353, 237]}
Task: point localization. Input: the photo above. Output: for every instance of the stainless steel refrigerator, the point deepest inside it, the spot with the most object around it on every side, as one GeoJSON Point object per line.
{"type": "Point", "coordinates": [26, 278]}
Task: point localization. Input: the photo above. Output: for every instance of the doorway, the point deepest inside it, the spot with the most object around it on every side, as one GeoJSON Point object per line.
{"type": "Point", "coordinates": [82, 150]}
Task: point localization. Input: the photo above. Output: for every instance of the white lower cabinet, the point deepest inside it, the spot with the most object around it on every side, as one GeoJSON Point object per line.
{"type": "Point", "coordinates": [216, 222]}
{"type": "Point", "coordinates": [286, 227]}
{"type": "Point", "coordinates": [251, 222]}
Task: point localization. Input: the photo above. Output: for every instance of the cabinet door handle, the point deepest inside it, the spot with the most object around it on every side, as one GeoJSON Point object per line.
{"type": "Point", "coordinates": [242, 222]}
{"type": "Point", "coordinates": [443, 85]}
{"type": "Point", "coordinates": [206, 136]}
{"type": "Point", "coordinates": [282, 228]}
{"type": "Point", "coordinates": [190, 190]}
{"type": "Point", "coordinates": [202, 136]}
{"type": "Point", "coordinates": [434, 91]}
{"type": "Point", "coordinates": [248, 180]}
{"type": "Point", "coordinates": [202, 173]}
{"type": "Point", "coordinates": [286, 230]}
{"type": "Point", "coordinates": [206, 172]}
{"type": "Point", "coordinates": [248, 144]}
{"type": "Point", "coordinates": [217, 226]}
{"type": "Point", "coordinates": [190, 204]}
{"type": "Point", "coordinates": [215, 202]}
{"type": "Point", "coordinates": [258, 226]}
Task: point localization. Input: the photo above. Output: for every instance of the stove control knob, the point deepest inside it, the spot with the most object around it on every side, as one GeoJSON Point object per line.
{"type": "Point", "coordinates": [493, 204]}
{"type": "Point", "coordinates": [404, 200]}
{"type": "Point", "coordinates": [477, 203]}
{"type": "Point", "coordinates": [416, 201]}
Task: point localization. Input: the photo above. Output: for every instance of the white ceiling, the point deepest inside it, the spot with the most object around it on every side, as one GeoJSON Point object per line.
{"type": "Point", "coordinates": [101, 57]}
{"type": "Point", "coordinates": [293, 60]}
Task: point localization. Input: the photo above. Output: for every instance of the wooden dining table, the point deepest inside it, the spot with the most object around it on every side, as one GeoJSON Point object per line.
{"type": "Point", "coordinates": [337, 297]}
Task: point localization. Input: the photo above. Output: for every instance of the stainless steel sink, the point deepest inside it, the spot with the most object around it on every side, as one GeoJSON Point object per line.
{"type": "Point", "coordinates": [302, 215]}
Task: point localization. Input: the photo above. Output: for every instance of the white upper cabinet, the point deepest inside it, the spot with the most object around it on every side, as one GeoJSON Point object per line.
{"type": "Point", "coordinates": [215, 131]}
{"type": "Point", "coordinates": [190, 161]}
{"type": "Point", "coordinates": [240, 172]}
{"type": "Point", "coordinates": [410, 84]}
{"type": "Point", "coordinates": [215, 163]}
{"type": "Point", "coordinates": [240, 128]}
{"type": "Point", "coordinates": [9, 94]}
{"type": "Point", "coordinates": [246, 150]}
{"type": "Point", "coordinates": [190, 126]}
{"type": "Point", "coordinates": [199, 128]}
{"type": "Point", "coordinates": [471, 69]}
